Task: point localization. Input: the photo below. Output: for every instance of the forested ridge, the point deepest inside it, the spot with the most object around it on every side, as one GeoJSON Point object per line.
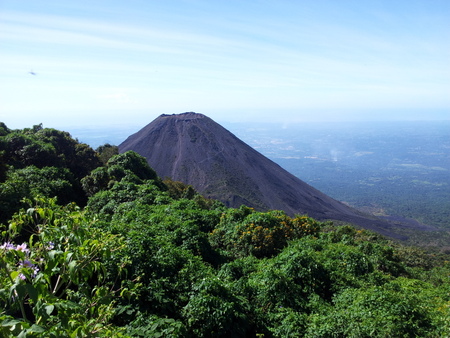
{"type": "Point", "coordinates": [95, 244]}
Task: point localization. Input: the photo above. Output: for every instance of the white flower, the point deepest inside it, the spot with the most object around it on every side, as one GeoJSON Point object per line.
{"type": "Point", "coordinates": [7, 246]}
{"type": "Point", "coordinates": [22, 247]}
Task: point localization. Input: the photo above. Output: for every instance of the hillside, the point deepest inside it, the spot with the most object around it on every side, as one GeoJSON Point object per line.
{"type": "Point", "coordinates": [194, 149]}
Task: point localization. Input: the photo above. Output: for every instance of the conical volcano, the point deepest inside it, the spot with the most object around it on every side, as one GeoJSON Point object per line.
{"type": "Point", "coordinates": [194, 149]}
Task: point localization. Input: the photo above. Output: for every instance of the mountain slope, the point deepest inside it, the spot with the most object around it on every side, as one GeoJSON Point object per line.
{"type": "Point", "coordinates": [194, 149]}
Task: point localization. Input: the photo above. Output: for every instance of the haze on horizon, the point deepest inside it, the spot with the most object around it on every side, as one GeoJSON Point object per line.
{"type": "Point", "coordinates": [70, 63]}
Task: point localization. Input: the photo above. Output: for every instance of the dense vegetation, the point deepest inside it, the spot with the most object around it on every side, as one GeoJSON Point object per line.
{"type": "Point", "coordinates": [96, 244]}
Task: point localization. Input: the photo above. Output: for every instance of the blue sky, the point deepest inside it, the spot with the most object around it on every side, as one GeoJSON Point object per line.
{"type": "Point", "coordinates": [126, 62]}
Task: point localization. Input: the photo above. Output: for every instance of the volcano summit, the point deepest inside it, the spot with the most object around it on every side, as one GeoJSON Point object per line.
{"type": "Point", "coordinates": [195, 150]}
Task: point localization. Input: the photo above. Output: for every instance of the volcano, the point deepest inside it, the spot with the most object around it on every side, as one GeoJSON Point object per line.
{"type": "Point", "coordinates": [195, 150]}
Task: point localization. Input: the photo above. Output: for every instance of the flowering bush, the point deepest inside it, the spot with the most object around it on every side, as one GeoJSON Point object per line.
{"type": "Point", "coordinates": [56, 284]}
{"type": "Point", "coordinates": [243, 232]}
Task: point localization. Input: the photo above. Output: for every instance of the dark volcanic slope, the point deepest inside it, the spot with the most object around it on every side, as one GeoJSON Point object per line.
{"type": "Point", "coordinates": [194, 149]}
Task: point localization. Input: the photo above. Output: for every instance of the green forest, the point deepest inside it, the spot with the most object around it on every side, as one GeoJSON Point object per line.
{"type": "Point", "coordinates": [95, 244]}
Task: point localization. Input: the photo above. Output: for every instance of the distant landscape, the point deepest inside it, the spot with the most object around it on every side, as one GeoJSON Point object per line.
{"type": "Point", "coordinates": [395, 168]}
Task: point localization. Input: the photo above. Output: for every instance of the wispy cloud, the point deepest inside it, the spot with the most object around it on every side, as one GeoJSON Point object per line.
{"type": "Point", "coordinates": [271, 54]}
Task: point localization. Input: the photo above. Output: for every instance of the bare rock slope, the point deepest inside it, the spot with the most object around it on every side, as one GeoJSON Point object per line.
{"type": "Point", "coordinates": [194, 149]}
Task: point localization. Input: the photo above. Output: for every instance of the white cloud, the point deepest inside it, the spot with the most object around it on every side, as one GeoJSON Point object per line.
{"type": "Point", "coordinates": [204, 55]}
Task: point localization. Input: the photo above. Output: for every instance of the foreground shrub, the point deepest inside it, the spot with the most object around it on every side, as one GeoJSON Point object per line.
{"type": "Point", "coordinates": [55, 284]}
{"type": "Point", "coordinates": [401, 308]}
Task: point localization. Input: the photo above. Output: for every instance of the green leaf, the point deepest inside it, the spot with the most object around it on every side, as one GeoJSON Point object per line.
{"type": "Point", "coordinates": [67, 305]}
{"type": "Point", "coordinates": [51, 254]}
{"type": "Point", "coordinates": [49, 309]}
{"type": "Point", "coordinates": [72, 266]}
{"type": "Point", "coordinates": [68, 256]}
{"type": "Point", "coordinates": [75, 333]}
{"type": "Point", "coordinates": [32, 292]}
{"type": "Point", "coordinates": [36, 328]}
{"type": "Point", "coordinates": [14, 274]}
{"type": "Point", "coordinates": [10, 322]}
{"type": "Point", "coordinates": [21, 290]}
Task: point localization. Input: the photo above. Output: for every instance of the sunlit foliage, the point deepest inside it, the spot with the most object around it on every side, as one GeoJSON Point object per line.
{"type": "Point", "coordinates": [153, 258]}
